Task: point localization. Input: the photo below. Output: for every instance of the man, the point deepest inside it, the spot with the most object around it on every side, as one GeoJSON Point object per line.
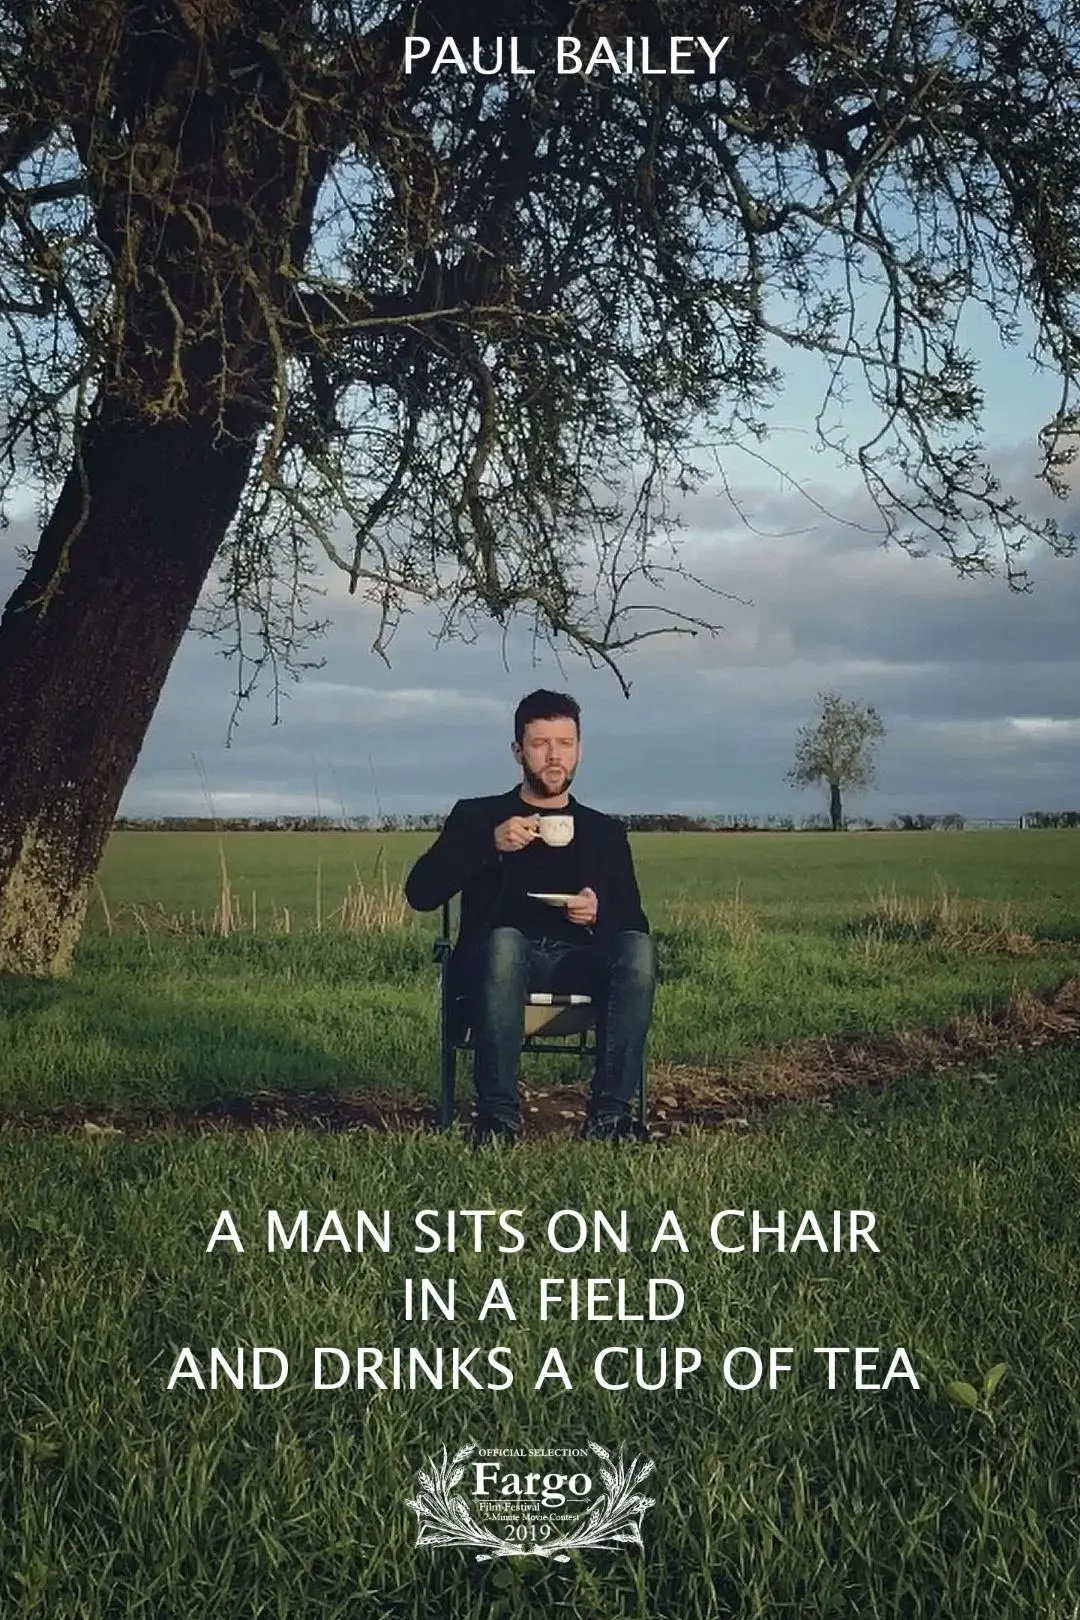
{"type": "Point", "coordinates": [595, 940]}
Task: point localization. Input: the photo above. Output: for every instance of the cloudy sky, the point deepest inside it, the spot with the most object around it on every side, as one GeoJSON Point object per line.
{"type": "Point", "coordinates": [979, 688]}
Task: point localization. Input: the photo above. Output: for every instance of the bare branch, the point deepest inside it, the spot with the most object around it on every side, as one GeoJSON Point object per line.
{"type": "Point", "coordinates": [478, 327]}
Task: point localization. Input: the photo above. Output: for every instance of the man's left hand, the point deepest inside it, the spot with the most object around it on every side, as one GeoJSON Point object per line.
{"type": "Point", "coordinates": [583, 908]}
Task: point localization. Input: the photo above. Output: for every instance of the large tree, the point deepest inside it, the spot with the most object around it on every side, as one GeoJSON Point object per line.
{"type": "Point", "coordinates": [836, 750]}
{"type": "Point", "coordinates": [266, 292]}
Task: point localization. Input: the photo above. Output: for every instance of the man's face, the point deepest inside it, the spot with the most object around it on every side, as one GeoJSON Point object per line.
{"type": "Point", "coordinates": [548, 755]}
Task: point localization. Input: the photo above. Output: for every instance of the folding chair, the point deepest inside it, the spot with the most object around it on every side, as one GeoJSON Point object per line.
{"type": "Point", "coordinates": [555, 1024]}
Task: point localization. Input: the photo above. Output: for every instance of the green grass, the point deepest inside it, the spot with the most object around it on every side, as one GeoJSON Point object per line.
{"type": "Point", "coordinates": [763, 939]}
{"type": "Point", "coordinates": [811, 877]}
{"type": "Point", "coordinates": [123, 1499]}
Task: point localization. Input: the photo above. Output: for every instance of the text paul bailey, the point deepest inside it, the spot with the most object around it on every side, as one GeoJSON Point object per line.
{"type": "Point", "coordinates": [681, 55]}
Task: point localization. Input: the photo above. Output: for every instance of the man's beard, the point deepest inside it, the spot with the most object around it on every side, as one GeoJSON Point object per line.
{"type": "Point", "coordinates": [537, 785]}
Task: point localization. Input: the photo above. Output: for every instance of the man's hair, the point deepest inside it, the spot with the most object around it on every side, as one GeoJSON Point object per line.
{"type": "Point", "coordinates": [544, 705]}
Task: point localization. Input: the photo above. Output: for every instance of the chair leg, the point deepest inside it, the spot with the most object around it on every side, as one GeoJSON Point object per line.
{"type": "Point", "coordinates": [447, 1060]}
{"type": "Point", "coordinates": [448, 1069]}
{"type": "Point", "coordinates": [447, 1076]}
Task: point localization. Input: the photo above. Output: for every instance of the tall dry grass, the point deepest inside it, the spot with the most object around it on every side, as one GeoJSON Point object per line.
{"type": "Point", "coordinates": [375, 907]}
{"type": "Point", "coordinates": [946, 920]}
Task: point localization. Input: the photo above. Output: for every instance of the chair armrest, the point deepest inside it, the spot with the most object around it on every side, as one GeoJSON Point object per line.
{"type": "Point", "coordinates": [440, 951]}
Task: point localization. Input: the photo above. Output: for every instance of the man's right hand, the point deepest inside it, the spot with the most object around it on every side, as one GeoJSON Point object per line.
{"type": "Point", "coordinates": [516, 833]}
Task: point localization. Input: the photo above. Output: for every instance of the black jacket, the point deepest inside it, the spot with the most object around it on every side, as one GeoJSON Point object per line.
{"type": "Point", "coordinates": [464, 858]}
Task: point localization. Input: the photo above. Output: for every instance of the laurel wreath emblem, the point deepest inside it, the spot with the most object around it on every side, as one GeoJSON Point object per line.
{"type": "Point", "coordinates": [613, 1519]}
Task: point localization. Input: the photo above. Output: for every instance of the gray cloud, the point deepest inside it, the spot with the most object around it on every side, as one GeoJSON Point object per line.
{"type": "Point", "coordinates": [979, 688]}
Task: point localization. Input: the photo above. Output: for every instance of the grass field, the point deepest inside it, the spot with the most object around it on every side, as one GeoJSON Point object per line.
{"type": "Point", "coordinates": [120, 1498]}
{"type": "Point", "coordinates": [763, 939]}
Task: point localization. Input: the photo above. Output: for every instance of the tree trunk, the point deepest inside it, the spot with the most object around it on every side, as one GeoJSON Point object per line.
{"type": "Point", "coordinates": [86, 642]}
{"type": "Point", "coordinates": [836, 813]}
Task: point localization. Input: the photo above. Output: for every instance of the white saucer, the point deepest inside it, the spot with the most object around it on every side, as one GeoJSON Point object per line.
{"type": "Point", "coordinates": [554, 899]}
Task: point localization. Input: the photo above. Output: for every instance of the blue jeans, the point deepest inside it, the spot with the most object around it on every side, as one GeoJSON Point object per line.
{"type": "Point", "coordinates": [619, 974]}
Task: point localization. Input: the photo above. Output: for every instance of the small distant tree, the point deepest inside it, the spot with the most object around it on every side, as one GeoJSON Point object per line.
{"type": "Point", "coordinates": [836, 750]}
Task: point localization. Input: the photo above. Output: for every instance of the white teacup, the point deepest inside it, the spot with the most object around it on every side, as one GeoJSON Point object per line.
{"type": "Point", "coordinates": [556, 830]}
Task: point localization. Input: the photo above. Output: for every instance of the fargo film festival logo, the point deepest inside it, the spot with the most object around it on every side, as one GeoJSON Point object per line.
{"type": "Point", "coordinates": [530, 1501]}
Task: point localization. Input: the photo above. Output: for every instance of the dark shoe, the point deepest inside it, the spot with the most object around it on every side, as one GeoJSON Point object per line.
{"type": "Point", "coordinates": [498, 1131]}
{"type": "Point", "coordinates": [609, 1128]}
